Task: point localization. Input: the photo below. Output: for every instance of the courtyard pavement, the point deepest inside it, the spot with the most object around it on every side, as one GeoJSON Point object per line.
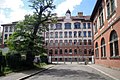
{"type": "Point", "coordinates": [67, 71]}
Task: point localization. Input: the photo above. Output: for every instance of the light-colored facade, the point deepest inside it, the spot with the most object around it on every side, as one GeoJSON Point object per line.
{"type": "Point", "coordinates": [8, 29]}
{"type": "Point", "coordinates": [106, 25]}
{"type": "Point", "coordinates": [70, 39]}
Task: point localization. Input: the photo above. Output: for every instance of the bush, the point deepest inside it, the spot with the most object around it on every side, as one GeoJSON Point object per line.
{"type": "Point", "coordinates": [13, 59]}
{"type": "Point", "coordinates": [44, 58]}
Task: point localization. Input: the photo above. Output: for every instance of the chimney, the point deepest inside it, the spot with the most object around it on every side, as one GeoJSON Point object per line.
{"type": "Point", "coordinates": [80, 14]}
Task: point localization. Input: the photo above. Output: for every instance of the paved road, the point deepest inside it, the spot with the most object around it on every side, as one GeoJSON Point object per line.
{"type": "Point", "coordinates": [70, 72]}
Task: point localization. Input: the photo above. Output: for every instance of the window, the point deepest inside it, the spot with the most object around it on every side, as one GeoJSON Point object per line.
{"type": "Point", "coordinates": [96, 50]}
{"type": "Point", "coordinates": [70, 42]}
{"type": "Point", "coordinates": [6, 35]}
{"type": "Point", "coordinates": [10, 29]}
{"type": "Point", "coordinates": [77, 25]}
{"type": "Point", "coordinates": [75, 34]}
{"type": "Point", "coordinates": [67, 25]}
{"type": "Point", "coordinates": [114, 49]}
{"type": "Point", "coordinates": [95, 24]}
{"type": "Point", "coordinates": [6, 29]}
{"type": "Point", "coordinates": [60, 59]}
{"type": "Point", "coordinates": [101, 19]}
{"type": "Point", "coordinates": [80, 42]}
{"type": "Point", "coordinates": [70, 51]}
{"type": "Point", "coordinates": [75, 51]}
{"type": "Point", "coordinates": [60, 51]}
{"type": "Point", "coordinates": [85, 42]}
{"type": "Point", "coordinates": [110, 7]}
{"type": "Point", "coordinates": [75, 42]}
{"type": "Point", "coordinates": [59, 26]}
{"type": "Point", "coordinates": [61, 35]}
{"type": "Point", "coordinates": [89, 33]}
{"type": "Point", "coordinates": [47, 35]}
{"type": "Point", "coordinates": [79, 34]}
{"type": "Point", "coordinates": [51, 43]}
{"type": "Point", "coordinates": [65, 34]}
{"type": "Point", "coordinates": [56, 34]}
{"type": "Point", "coordinates": [89, 27]}
{"type": "Point", "coordinates": [89, 42]}
{"type": "Point", "coordinates": [84, 33]}
{"type": "Point", "coordinates": [51, 26]}
{"type": "Point", "coordinates": [61, 42]}
{"type": "Point", "coordinates": [90, 51]}
{"type": "Point", "coordinates": [10, 35]}
{"type": "Point", "coordinates": [56, 51]}
{"type": "Point", "coordinates": [70, 34]}
{"type": "Point", "coordinates": [66, 51]}
{"type": "Point", "coordinates": [47, 42]}
{"type": "Point", "coordinates": [103, 49]}
{"type": "Point", "coordinates": [56, 42]}
{"type": "Point", "coordinates": [51, 35]}
{"type": "Point", "coordinates": [85, 51]}
{"type": "Point", "coordinates": [80, 51]}
{"type": "Point", "coordinates": [51, 52]}
{"type": "Point", "coordinates": [84, 25]}
{"type": "Point", "coordinates": [66, 43]}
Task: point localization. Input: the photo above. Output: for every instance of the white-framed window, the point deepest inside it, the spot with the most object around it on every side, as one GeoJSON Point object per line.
{"type": "Point", "coordinates": [103, 48]}
{"type": "Point", "coordinates": [114, 49]}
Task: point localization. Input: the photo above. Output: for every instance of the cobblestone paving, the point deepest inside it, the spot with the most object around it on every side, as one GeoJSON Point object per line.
{"type": "Point", "coordinates": [70, 72]}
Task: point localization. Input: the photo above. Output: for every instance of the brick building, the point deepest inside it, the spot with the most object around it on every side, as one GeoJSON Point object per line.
{"type": "Point", "coordinates": [70, 39]}
{"type": "Point", "coordinates": [106, 25]}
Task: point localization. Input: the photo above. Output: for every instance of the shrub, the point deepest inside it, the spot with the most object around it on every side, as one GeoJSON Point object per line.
{"type": "Point", "coordinates": [44, 58]}
{"type": "Point", "coordinates": [13, 59]}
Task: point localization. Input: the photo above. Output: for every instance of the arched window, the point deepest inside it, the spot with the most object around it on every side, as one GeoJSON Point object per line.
{"type": "Point", "coordinates": [77, 25]}
{"type": "Point", "coordinates": [89, 42]}
{"type": "Point", "coordinates": [56, 42]}
{"type": "Point", "coordinates": [66, 51]}
{"type": "Point", "coordinates": [51, 52]}
{"type": "Point", "coordinates": [85, 51]}
{"type": "Point", "coordinates": [66, 42]}
{"type": "Point", "coordinates": [103, 48]}
{"type": "Point", "coordinates": [51, 43]}
{"type": "Point", "coordinates": [60, 51]}
{"type": "Point", "coordinates": [80, 51]}
{"type": "Point", "coordinates": [67, 25]}
{"type": "Point", "coordinates": [70, 51]}
{"type": "Point", "coordinates": [61, 42]}
{"type": "Point", "coordinates": [75, 33]}
{"type": "Point", "coordinates": [80, 42]}
{"type": "Point", "coordinates": [75, 51]}
{"type": "Point", "coordinates": [59, 26]}
{"type": "Point", "coordinates": [56, 34]}
{"type": "Point", "coordinates": [70, 42]}
{"type": "Point", "coordinates": [96, 50]}
{"type": "Point", "coordinates": [114, 51]}
{"type": "Point", "coordinates": [85, 42]}
{"type": "Point", "coordinates": [56, 51]}
{"type": "Point", "coordinates": [75, 42]}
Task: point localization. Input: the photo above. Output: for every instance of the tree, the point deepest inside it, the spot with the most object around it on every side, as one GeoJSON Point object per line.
{"type": "Point", "coordinates": [28, 37]}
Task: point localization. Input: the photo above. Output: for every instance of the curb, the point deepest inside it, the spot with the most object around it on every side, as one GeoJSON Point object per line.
{"type": "Point", "coordinates": [25, 77]}
{"type": "Point", "coordinates": [103, 72]}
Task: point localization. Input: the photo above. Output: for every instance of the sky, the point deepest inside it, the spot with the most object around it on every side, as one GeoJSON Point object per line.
{"type": "Point", "coordinates": [15, 10]}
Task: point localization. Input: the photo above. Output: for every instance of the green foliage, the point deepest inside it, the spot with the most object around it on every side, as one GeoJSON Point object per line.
{"type": "Point", "coordinates": [28, 36]}
{"type": "Point", "coordinates": [44, 58]}
{"type": "Point", "coordinates": [13, 60]}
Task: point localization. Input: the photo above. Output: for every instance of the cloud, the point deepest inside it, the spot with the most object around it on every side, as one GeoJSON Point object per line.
{"type": "Point", "coordinates": [67, 4]}
{"type": "Point", "coordinates": [12, 11]}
